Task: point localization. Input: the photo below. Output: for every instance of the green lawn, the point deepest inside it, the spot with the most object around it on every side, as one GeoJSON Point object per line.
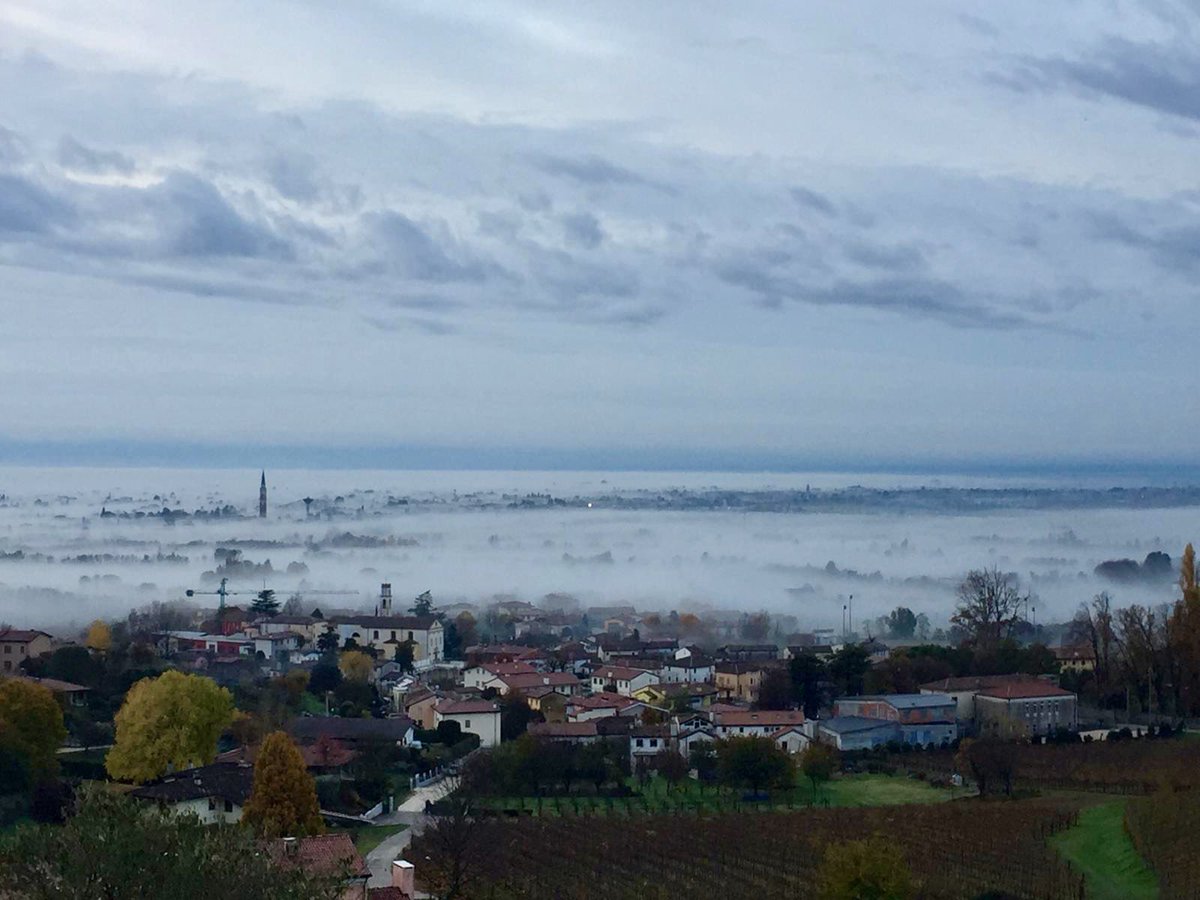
{"type": "Point", "coordinates": [657, 796]}
{"type": "Point", "coordinates": [368, 837]}
{"type": "Point", "coordinates": [1101, 849]}
{"type": "Point", "coordinates": [880, 790]}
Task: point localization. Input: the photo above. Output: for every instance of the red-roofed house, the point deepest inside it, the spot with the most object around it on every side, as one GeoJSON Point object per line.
{"type": "Point", "coordinates": [478, 717]}
{"type": "Point", "coordinates": [489, 675]}
{"type": "Point", "coordinates": [324, 854]}
{"type": "Point", "coordinates": [756, 723]}
{"type": "Point", "coordinates": [563, 682]}
{"type": "Point", "coordinates": [602, 705]}
{"type": "Point", "coordinates": [1042, 707]}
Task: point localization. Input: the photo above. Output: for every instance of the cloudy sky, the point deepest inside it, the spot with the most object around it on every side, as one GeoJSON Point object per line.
{"type": "Point", "coordinates": [682, 233]}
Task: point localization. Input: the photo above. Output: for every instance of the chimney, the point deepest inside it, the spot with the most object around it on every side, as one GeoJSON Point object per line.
{"type": "Point", "coordinates": [404, 876]}
{"type": "Point", "coordinates": [545, 679]}
{"type": "Point", "coordinates": [290, 846]}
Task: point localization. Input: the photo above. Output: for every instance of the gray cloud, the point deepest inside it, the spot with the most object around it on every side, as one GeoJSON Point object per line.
{"type": "Point", "coordinates": [410, 249]}
{"type": "Point", "coordinates": [74, 155]}
{"type": "Point", "coordinates": [198, 221]}
{"type": "Point", "coordinates": [811, 200]}
{"type": "Point", "coordinates": [922, 297]}
{"type": "Point", "coordinates": [1164, 78]}
{"type": "Point", "coordinates": [583, 229]}
{"type": "Point", "coordinates": [590, 170]}
{"type": "Point", "coordinates": [26, 207]}
{"type": "Point", "coordinates": [13, 147]}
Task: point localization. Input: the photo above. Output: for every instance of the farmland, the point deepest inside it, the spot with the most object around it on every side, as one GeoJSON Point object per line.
{"type": "Point", "coordinates": [657, 796]}
{"type": "Point", "coordinates": [958, 849]}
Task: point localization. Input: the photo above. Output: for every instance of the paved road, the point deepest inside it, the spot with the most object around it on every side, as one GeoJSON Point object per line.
{"type": "Point", "coordinates": [411, 813]}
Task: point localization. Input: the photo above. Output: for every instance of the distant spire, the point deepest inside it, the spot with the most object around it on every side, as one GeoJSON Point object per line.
{"type": "Point", "coordinates": [262, 496]}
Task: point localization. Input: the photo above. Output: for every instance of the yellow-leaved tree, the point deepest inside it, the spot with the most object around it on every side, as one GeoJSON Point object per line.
{"type": "Point", "coordinates": [356, 666]}
{"type": "Point", "coordinates": [31, 725]}
{"type": "Point", "coordinates": [872, 868]}
{"type": "Point", "coordinates": [283, 799]}
{"type": "Point", "coordinates": [169, 722]}
{"type": "Point", "coordinates": [99, 636]}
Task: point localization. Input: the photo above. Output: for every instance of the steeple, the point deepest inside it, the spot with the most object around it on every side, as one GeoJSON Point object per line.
{"type": "Point", "coordinates": [262, 496]}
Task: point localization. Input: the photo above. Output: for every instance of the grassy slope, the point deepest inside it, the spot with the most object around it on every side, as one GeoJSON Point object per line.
{"type": "Point", "coordinates": [880, 790]}
{"type": "Point", "coordinates": [369, 837]}
{"type": "Point", "coordinates": [1101, 849]}
{"type": "Point", "coordinates": [850, 790]}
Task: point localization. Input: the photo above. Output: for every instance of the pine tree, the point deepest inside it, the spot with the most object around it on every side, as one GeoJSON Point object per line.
{"type": "Point", "coordinates": [283, 799]}
{"type": "Point", "coordinates": [265, 603]}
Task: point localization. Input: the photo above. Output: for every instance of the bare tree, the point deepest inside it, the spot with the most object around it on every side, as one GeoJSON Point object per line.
{"type": "Point", "coordinates": [451, 838]}
{"type": "Point", "coordinates": [989, 606]}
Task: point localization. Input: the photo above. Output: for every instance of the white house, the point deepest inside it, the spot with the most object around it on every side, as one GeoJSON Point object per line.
{"type": "Point", "coordinates": [489, 675]}
{"type": "Point", "coordinates": [215, 793]}
{"type": "Point", "coordinates": [647, 741]}
{"type": "Point", "coordinates": [688, 670]}
{"type": "Point", "coordinates": [756, 723]}
{"type": "Point", "coordinates": [386, 633]}
{"type": "Point", "coordinates": [479, 717]}
{"type": "Point", "coordinates": [622, 680]}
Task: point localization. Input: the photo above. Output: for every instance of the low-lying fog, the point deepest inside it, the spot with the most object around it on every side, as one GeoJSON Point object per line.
{"type": "Point", "coordinates": [80, 543]}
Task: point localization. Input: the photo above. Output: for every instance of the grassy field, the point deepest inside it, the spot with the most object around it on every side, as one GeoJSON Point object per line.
{"type": "Point", "coordinates": [1099, 847]}
{"type": "Point", "coordinates": [368, 837]}
{"type": "Point", "coordinates": [657, 796]}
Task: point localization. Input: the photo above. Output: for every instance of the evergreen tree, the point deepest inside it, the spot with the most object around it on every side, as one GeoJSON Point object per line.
{"type": "Point", "coordinates": [265, 603]}
{"type": "Point", "coordinates": [283, 799]}
{"type": "Point", "coordinates": [422, 605]}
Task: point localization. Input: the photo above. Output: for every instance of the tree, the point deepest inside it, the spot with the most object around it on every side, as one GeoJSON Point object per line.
{"type": "Point", "coordinates": [671, 765]}
{"type": "Point", "coordinates": [356, 666]}
{"type": "Point", "coordinates": [450, 842]}
{"type": "Point", "coordinates": [515, 716]}
{"type": "Point", "coordinates": [172, 721]}
{"type": "Point", "coordinates": [991, 762]}
{"type": "Point", "coordinates": [807, 672]}
{"type": "Point", "coordinates": [422, 605]}
{"type": "Point", "coordinates": [902, 622]}
{"type": "Point", "coordinates": [74, 664]}
{"type": "Point", "coordinates": [31, 727]}
{"type": "Point", "coordinates": [327, 641]}
{"type": "Point", "coordinates": [818, 764]}
{"type": "Point", "coordinates": [871, 869]}
{"type": "Point", "coordinates": [292, 606]}
{"type": "Point", "coordinates": [405, 651]}
{"type": "Point", "coordinates": [775, 689]}
{"type": "Point", "coordinates": [989, 606]}
{"type": "Point", "coordinates": [283, 799]}
{"type": "Point", "coordinates": [115, 847]}
{"type": "Point", "coordinates": [753, 762]}
{"type": "Point", "coordinates": [265, 603]}
{"type": "Point", "coordinates": [324, 677]}
{"type": "Point", "coordinates": [703, 758]}
{"type": "Point", "coordinates": [847, 668]}
{"type": "Point", "coordinates": [755, 627]}
{"type": "Point", "coordinates": [99, 636]}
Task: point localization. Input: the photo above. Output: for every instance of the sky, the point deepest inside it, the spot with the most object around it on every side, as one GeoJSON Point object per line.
{"type": "Point", "coordinates": [659, 234]}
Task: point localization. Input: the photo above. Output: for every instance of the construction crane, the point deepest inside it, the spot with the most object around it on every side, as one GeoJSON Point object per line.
{"type": "Point", "coordinates": [222, 592]}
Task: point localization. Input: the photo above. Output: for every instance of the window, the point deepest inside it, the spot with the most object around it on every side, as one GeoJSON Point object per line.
{"type": "Point", "coordinates": [228, 806]}
{"type": "Point", "coordinates": [8, 648]}
{"type": "Point", "coordinates": [393, 634]}
{"type": "Point", "coordinates": [410, 635]}
{"type": "Point", "coordinates": [212, 803]}
{"type": "Point", "coordinates": [467, 723]}
{"type": "Point", "coordinates": [376, 635]}
{"type": "Point", "coordinates": [640, 742]}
